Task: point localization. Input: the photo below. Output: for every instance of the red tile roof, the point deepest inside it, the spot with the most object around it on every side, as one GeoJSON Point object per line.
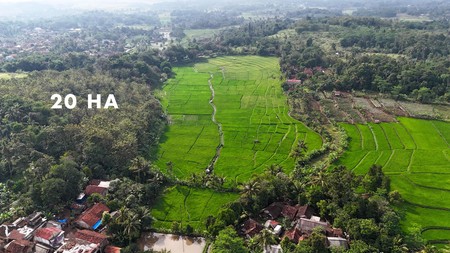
{"type": "Point", "coordinates": [274, 209]}
{"type": "Point", "coordinates": [251, 227]}
{"type": "Point", "coordinates": [112, 249]}
{"type": "Point", "coordinates": [47, 233]}
{"type": "Point", "coordinates": [289, 212]}
{"type": "Point", "coordinates": [335, 232]}
{"type": "Point", "coordinates": [293, 235]}
{"type": "Point", "coordinates": [307, 225]}
{"type": "Point", "coordinates": [294, 81]}
{"type": "Point", "coordinates": [274, 223]}
{"type": "Point", "coordinates": [304, 211]}
{"type": "Point", "coordinates": [91, 236]}
{"type": "Point", "coordinates": [93, 214]}
{"type": "Point", "coordinates": [16, 235]}
{"type": "Point", "coordinates": [18, 246]}
{"type": "Point", "coordinates": [95, 182]}
{"type": "Point", "coordinates": [90, 189]}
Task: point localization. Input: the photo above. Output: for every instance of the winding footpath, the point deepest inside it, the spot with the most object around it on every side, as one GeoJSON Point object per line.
{"type": "Point", "coordinates": [219, 126]}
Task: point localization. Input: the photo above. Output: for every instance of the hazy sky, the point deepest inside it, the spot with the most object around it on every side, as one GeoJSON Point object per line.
{"type": "Point", "coordinates": [62, 2]}
{"type": "Point", "coordinates": [74, 4]}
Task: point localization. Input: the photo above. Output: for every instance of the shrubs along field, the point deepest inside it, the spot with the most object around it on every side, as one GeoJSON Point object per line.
{"type": "Point", "coordinates": [250, 108]}
{"type": "Point", "coordinates": [416, 155]}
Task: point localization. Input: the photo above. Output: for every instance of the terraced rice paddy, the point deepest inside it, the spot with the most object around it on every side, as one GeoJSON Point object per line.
{"type": "Point", "coordinates": [240, 97]}
{"type": "Point", "coordinates": [251, 109]}
{"type": "Point", "coordinates": [416, 155]}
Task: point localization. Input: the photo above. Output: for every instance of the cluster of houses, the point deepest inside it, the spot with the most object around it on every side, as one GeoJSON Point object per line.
{"type": "Point", "coordinates": [83, 234]}
{"type": "Point", "coordinates": [35, 40]}
{"type": "Point", "coordinates": [301, 223]}
{"type": "Point", "coordinates": [41, 40]}
{"type": "Point", "coordinates": [291, 84]}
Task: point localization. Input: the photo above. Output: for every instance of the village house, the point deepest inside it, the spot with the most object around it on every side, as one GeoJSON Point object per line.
{"type": "Point", "coordinates": [35, 234]}
{"type": "Point", "coordinates": [303, 224]}
{"type": "Point", "coordinates": [273, 249]}
{"type": "Point", "coordinates": [308, 225]}
{"type": "Point", "coordinates": [92, 217]}
{"type": "Point", "coordinates": [92, 237]}
{"type": "Point", "coordinates": [277, 209]}
{"type": "Point", "coordinates": [75, 245]}
{"type": "Point", "coordinates": [95, 186]}
{"type": "Point", "coordinates": [24, 233]}
{"type": "Point", "coordinates": [19, 246]}
{"type": "Point", "coordinates": [274, 227]}
{"type": "Point", "coordinates": [251, 228]}
{"type": "Point", "coordinates": [112, 249]}
{"type": "Point", "coordinates": [335, 242]}
{"type": "Point", "coordinates": [91, 189]}
{"type": "Point", "coordinates": [16, 236]}
{"type": "Point", "coordinates": [50, 236]}
{"type": "Point", "coordinates": [273, 211]}
{"type": "Point", "coordinates": [294, 235]}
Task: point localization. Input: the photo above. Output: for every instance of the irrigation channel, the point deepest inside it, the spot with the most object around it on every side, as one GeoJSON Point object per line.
{"type": "Point", "coordinates": [219, 126]}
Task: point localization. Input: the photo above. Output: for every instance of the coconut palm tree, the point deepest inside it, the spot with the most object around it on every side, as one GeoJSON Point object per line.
{"type": "Point", "coordinates": [319, 178]}
{"type": "Point", "coordinates": [274, 169]}
{"type": "Point", "coordinates": [265, 238]}
{"type": "Point", "coordinates": [251, 189]}
{"type": "Point", "coordinates": [140, 167]}
{"type": "Point", "coordinates": [429, 249]}
{"type": "Point", "coordinates": [300, 150]}
{"type": "Point", "coordinates": [131, 225]}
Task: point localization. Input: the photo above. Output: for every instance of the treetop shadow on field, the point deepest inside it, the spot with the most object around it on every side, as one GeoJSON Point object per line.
{"type": "Point", "coordinates": [190, 63]}
{"type": "Point", "coordinates": [154, 151]}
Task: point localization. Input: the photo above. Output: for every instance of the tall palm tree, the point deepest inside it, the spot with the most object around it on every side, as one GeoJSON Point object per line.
{"type": "Point", "coordinates": [158, 178]}
{"type": "Point", "coordinates": [122, 214]}
{"type": "Point", "coordinates": [300, 150]}
{"type": "Point", "coordinates": [430, 249]}
{"type": "Point", "coordinates": [274, 169]}
{"type": "Point", "coordinates": [131, 225]}
{"type": "Point", "coordinates": [140, 167]}
{"type": "Point", "coordinates": [319, 178]}
{"type": "Point", "coordinates": [265, 238]}
{"type": "Point", "coordinates": [144, 216]}
{"type": "Point", "coordinates": [251, 189]}
{"type": "Point", "coordinates": [7, 156]}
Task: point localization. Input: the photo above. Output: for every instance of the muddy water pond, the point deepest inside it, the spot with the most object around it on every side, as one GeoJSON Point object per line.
{"type": "Point", "coordinates": [174, 243]}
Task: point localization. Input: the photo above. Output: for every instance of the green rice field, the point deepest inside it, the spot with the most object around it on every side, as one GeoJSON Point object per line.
{"type": "Point", "coordinates": [188, 206]}
{"type": "Point", "coordinates": [251, 108]}
{"type": "Point", "coordinates": [416, 155]}
{"type": "Point", "coordinates": [252, 112]}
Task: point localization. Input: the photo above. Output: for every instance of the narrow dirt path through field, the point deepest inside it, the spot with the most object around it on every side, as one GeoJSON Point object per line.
{"type": "Point", "coordinates": [219, 125]}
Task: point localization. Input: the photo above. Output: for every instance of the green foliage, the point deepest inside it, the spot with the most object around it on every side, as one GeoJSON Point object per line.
{"type": "Point", "coordinates": [128, 225]}
{"type": "Point", "coordinates": [53, 193]}
{"type": "Point", "coordinates": [103, 140]}
{"type": "Point", "coordinates": [228, 241]}
{"type": "Point", "coordinates": [316, 242]}
{"type": "Point", "coordinates": [375, 55]}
